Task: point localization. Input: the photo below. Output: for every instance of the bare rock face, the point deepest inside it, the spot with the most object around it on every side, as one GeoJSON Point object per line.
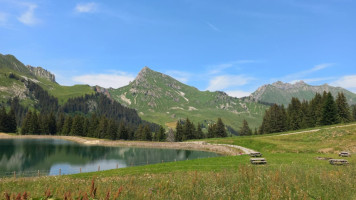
{"type": "Point", "coordinates": [40, 72]}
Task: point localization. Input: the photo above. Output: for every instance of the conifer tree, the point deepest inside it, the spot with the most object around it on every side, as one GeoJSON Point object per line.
{"type": "Point", "coordinates": [77, 126]}
{"type": "Point", "coordinates": [330, 115]}
{"type": "Point", "coordinates": [245, 129]}
{"type": "Point", "coordinates": [12, 125]}
{"type": "Point", "coordinates": [123, 133]}
{"type": "Point", "coordinates": [188, 130]}
{"type": "Point", "coordinates": [67, 126]}
{"type": "Point", "coordinates": [354, 112]}
{"type": "Point", "coordinates": [199, 134]}
{"type": "Point", "coordinates": [220, 129]}
{"type": "Point", "coordinates": [316, 110]}
{"type": "Point", "coordinates": [147, 134]}
{"type": "Point", "coordinates": [60, 123]}
{"type": "Point", "coordinates": [294, 114]}
{"type": "Point", "coordinates": [2, 119]}
{"type": "Point", "coordinates": [179, 132]}
{"type": "Point", "coordinates": [86, 127]}
{"type": "Point", "coordinates": [211, 131]}
{"type": "Point", "coordinates": [161, 136]}
{"type": "Point", "coordinates": [93, 126]}
{"type": "Point", "coordinates": [111, 132]}
{"type": "Point", "coordinates": [34, 124]}
{"type": "Point", "coordinates": [52, 126]}
{"type": "Point", "coordinates": [343, 108]}
{"type": "Point", "coordinates": [255, 132]}
{"type": "Point", "coordinates": [25, 129]}
{"type": "Point", "coordinates": [139, 133]}
{"type": "Point", "coordinates": [102, 127]}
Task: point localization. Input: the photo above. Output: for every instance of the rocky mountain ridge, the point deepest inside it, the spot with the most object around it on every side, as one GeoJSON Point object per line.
{"type": "Point", "coordinates": [282, 93]}
{"type": "Point", "coordinates": [41, 73]}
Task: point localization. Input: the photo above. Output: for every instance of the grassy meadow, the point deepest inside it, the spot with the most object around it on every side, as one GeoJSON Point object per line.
{"type": "Point", "coordinates": [293, 172]}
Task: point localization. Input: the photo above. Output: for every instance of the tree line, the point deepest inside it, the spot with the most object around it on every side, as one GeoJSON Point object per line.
{"type": "Point", "coordinates": [92, 115]}
{"type": "Point", "coordinates": [321, 110]}
{"type": "Point", "coordinates": [185, 130]}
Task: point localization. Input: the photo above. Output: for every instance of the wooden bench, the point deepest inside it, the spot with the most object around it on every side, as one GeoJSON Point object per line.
{"type": "Point", "coordinates": [258, 161]}
{"type": "Point", "coordinates": [338, 162]}
{"type": "Point", "coordinates": [344, 154]}
{"type": "Point", "coordinates": [256, 154]}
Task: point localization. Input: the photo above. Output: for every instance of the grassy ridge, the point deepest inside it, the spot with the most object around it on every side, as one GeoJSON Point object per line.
{"type": "Point", "coordinates": [292, 172]}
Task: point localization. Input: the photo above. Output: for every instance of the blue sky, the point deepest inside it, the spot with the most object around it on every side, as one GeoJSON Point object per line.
{"type": "Point", "coordinates": [228, 45]}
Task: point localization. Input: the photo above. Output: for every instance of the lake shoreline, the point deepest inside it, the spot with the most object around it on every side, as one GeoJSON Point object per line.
{"type": "Point", "coordinates": [198, 146]}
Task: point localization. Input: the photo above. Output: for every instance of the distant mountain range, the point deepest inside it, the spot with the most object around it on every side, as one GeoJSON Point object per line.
{"type": "Point", "coordinates": [282, 93]}
{"type": "Point", "coordinates": [162, 99]}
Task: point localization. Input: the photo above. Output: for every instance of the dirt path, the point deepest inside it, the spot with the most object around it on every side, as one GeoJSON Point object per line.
{"type": "Point", "coordinates": [200, 146]}
{"type": "Point", "coordinates": [312, 131]}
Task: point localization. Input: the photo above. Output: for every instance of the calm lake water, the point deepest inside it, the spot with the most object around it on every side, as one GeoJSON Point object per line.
{"type": "Point", "coordinates": [27, 156]}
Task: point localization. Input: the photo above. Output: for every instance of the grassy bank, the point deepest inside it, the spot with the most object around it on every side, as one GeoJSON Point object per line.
{"type": "Point", "coordinates": [295, 170]}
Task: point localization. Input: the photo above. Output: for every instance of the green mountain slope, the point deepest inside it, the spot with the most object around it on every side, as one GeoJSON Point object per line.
{"type": "Point", "coordinates": [282, 93]}
{"type": "Point", "coordinates": [10, 88]}
{"type": "Point", "coordinates": [161, 99]}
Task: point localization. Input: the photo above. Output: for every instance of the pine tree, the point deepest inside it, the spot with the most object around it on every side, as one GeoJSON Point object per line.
{"type": "Point", "coordinates": [86, 127]}
{"type": "Point", "coordinates": [123, 133]}
{"type": "Point", "coordinates": [139, 133]}
{"type": "Point", "coordinates": [294, 114]}
{"type": "Point", "coordinates": [211, 131]}
{"type": "Point", "coordinates": [179, 132]}
{"type": "Point", "coordinates": [354, 112]}
{"type": "Point", "coordinates": [67, 126]}
{"type": "Point", "coordinates": [93, 126]}
{"type": "Point", "coordinates": [112, 130]}
{"type": "Point", "coordinates": [316, 112]}
{"type": "Point", "coordinates": [343, 108]}
{"type": "Point", "coordinates": [25, 129]}
{"type": "Point", "coordinates": [245, 129]}
{"type": "Point", "coordinates": [330, 115]}
{"type": "Point", "coordinates": [34, 124]}
{"type": "Point", "coordinates": [12, 125]}
{"type": "Point", "coordinates": [199, 134]}
{"type": "Point", "coordinates": [2, 119]}
{"type": "Point", "coordinates": [188, 130]}
{"type": "Point", "coordinates": [161, 136]}
{"type": "Point", "coordinates": [52, 126]}
{"type": "Point", "coordinates": [60, 123]}
{"type": "Point", "coordinates": [220, 129]}
{"type": "Point", "coordinates": [77, 126]}
{"type": "Point", "coordinates": [102, 127]}
{"type": "Point", "coordinates": [255, 132]}
{"type": "Point", "coordinates": [147, 134]}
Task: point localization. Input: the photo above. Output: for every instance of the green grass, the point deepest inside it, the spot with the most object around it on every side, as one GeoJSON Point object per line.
{"type": "Point", "coordinates": [328, 140]}
{"type": "Point", "coordinates": [292, 172]}
{"type": "Point", "coordinates": [63, 93]}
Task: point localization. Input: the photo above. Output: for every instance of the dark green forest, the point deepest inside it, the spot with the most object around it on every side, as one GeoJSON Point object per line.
{"type": "Point", "coordinates": [321, 110]}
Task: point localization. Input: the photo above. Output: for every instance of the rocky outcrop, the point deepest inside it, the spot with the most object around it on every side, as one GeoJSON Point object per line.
{"type": "Point", "coordinates": [41, 73]}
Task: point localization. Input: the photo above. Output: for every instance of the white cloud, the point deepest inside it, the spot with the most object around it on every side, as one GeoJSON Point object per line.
{"type": "Point", "coordinates": [238, 93]}
{"type": "Point", "coordinates": [28, 17]}
{"type": "Point", "coordinates": [227, 81]}
{"type": "Point", "coordinates": [303, 74]}
{"type": "Point", "coordinates": [212, 26]}
{"type": "Point", "coordinates": [105, 80]}
{"type": "Point", "coordinates": [348, 82]}
{"type": "Point", "coordinates": [179, 75]}
{"type": "Point", "coordinates": [86, 7]}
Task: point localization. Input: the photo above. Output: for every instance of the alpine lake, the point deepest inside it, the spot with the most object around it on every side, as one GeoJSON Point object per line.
{"type": "Point", "coordinates": [34, 157]}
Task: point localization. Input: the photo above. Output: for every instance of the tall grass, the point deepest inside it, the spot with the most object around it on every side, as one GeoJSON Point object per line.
{"type": "Point", "coordinates": [243, 182]}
